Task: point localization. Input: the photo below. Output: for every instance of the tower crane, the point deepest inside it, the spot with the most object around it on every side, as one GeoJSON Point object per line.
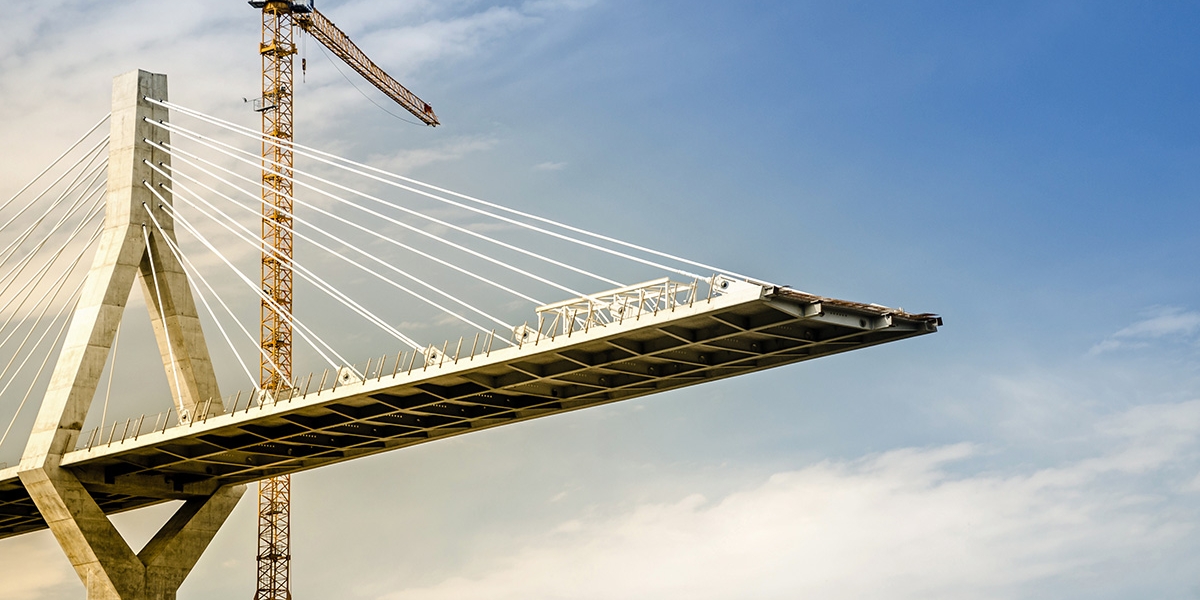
{"type": "Point", "coordinates": [280, 21]}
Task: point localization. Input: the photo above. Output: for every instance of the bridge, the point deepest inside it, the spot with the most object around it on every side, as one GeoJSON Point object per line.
{"type": "Point", "coordinates": [676, 330]}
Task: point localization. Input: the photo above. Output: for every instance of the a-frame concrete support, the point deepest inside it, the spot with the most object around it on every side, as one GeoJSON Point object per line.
{"type": "Point", "coordinates": [105, 563]}
{"type": "Point", "coordinates": [103, 560]}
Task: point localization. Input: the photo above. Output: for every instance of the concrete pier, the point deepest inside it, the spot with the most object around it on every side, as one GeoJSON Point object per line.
{"type": "Point", "coordinates": [130, 248]}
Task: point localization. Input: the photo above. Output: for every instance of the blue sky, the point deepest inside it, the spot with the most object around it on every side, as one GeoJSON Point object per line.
{"type": "Point", "coordinates": [1026, 170]}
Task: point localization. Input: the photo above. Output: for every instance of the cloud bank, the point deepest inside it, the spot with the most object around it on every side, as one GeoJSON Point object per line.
{"type": "Point", "coordinates": [908, 523]}
{"type": "Point", "coordinates": [1160, 323]}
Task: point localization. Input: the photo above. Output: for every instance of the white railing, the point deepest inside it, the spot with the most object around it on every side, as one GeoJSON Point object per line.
{"type": "Point", "coordinates": [577, 315]}
{"type": "Point", "coordinates": [620, 305]}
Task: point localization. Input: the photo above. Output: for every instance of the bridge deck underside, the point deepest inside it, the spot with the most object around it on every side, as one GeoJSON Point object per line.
{"type": "Point", "coordinates": [605, 365]}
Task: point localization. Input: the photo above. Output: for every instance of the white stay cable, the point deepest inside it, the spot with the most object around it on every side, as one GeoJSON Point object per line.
{"type": "Point", "coordinates": [366, 230]}
{"type": "Point", "coordinates": [305, 273]}
{"type": "Point", "coordinates": [13, 274]}
{"type": "Point", "coordinates": [26, 290]}
{"type": "Point", "coordinates": [162, 313]}
{"type": "Point", "coordinates": [49, 352]}
{"type": "Point", "coordinates": [31, 283]}
{"type": "Point", "coordinates": [300, 327]}
{"type": "Point", "coordinates": [94, 174]}
{"type": "Point", "coordinates": [53, 163]}
{"type": "Point", "coordinates": [45, 301]}
{"type": "Point", "coordinates": [306, 334]}
{"type": "Point", "coordinates": [112, 371]}
{"type": "Point", "coordinates": [195, 274]}
{"type": "Point", "coordinates": [326, 287]}
{"type": "Point", "coordinates": [15, 245]}
{"type": "Point", "coordinates": [324, 157]}
{"type": "Point", "coordinates": [221, 147]}
{"type": "Point", "coordinates": [88, 157]}
{"type": "Point", "coordinates": [249, 239]}
{"type": "Point", "coordinates": [45, 306]}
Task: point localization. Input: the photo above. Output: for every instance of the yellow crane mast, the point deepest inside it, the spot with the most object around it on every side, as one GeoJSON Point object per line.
{"type": "Point", "coordinates": [280, 20]}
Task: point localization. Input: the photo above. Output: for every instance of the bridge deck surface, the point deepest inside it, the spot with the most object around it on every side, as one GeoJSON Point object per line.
{"type": "Point", "coordinates": [749, 330]}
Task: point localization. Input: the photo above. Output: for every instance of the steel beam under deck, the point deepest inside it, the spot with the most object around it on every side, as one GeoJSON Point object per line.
{"type": "Point", "coordinates": [750, 330]}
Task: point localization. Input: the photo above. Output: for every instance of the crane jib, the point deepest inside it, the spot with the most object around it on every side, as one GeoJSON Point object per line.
{"type": "Point", "coordinates": [305, 15]}
{"type": "Point", "coordinates": [324, 31]}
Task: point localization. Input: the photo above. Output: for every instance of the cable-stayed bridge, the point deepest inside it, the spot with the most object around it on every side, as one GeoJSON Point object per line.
{"type": "Point", "coordinates": [121, 198]}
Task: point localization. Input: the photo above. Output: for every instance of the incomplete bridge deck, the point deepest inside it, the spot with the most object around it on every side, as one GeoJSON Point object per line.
{"type": "Point", "coordinates": [750, 329]}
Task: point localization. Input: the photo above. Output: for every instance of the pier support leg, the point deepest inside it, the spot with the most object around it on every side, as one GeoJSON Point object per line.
{"type": "Point", "coordinates": [105, 563]}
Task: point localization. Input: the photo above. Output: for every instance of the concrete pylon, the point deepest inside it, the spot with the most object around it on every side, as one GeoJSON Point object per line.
{"type": "Point", "coordinates": [103, 560]}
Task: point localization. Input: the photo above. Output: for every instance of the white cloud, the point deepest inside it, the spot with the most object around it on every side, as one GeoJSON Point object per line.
{"type": "Point", "coordinates": [908, 523]}
{"type": "Point", "coordinates": [542, 6]}
{"type": "Point", "coordinates": [451, 150]}
{"type": "Point", "coordinates": [1192, 486]}
{"type": "Point", "coordinates": [1165, 322]}
{"type": "Point", "coordinates": [901, 524]}
{"type": "Point", "coordinates": [456, 38]}
{"type": "Point", "coordinates": [549, 166]}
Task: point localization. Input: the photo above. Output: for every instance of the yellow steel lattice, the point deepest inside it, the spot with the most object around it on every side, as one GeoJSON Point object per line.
{"type": "Point", "coordinates": [275, 364]}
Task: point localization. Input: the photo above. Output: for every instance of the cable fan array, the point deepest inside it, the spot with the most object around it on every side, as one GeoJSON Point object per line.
{"type": "Point", "coordinates": [49, 228]}
{"type": "Point", "coordinates": [380, 257]}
